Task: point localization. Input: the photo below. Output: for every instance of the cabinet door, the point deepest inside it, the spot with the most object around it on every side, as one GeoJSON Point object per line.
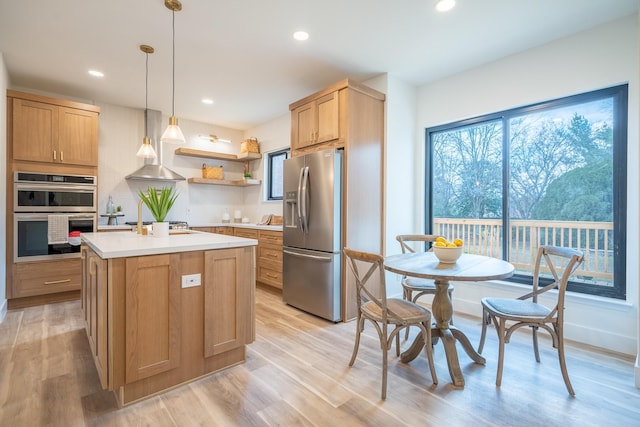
{"type": "Point", "coordinates": [303, 120]}
{"type": "Point", "coordinates": [34, 130]}
{"type": "Point", "coordinates": [97, 327]}
{"type": "Point", "coordinates": [328, 120]}
{"type": "Point", "coordinates": [77, 137]}
{"type": "Point", "coordinates": [152, 315]}
{"type": "Point", "coordinates": [228, 291]}
{"type": "Point", "coordinates": [247, 233]}
{"type": "Point", "coordinates": [46, 277]}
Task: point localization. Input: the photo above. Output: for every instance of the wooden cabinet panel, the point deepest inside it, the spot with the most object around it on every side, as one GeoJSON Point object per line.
{"type": "Point", "coordinates": [53, 131]}
{"type": "Point", "coordinates": [46, 277]}
{"type": "Point", "coordinates": [152, 315]}
{"type": "Point", "coordinates": [316, 122]}
{"type": "Point", "coordinates": [245, 232]}
{"type": "Point", "coordinates": [78, 137]}
{"type": "Point", "coordinates": [225, 299]}
{"type": "Point", "coordinates": [34, 130]}
{"type": "Point", "coordinates": [269, 263]}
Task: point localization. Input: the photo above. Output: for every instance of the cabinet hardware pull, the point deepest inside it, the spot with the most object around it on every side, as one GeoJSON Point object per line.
{"type": "Point", "coordinates": [56, 282]}
{"type": "Point", "coordinates": [62, 156]}
{"type": "Point", "coordinates": [54, 155]}
{"type": "Point", "coordinates": [92, 263]}
{"type": "Point", "coordinates": [272, 276]}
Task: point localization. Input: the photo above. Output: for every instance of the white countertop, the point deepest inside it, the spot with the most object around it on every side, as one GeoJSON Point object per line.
{"type": "Point", "coordinates": [121, 244]}
{"type": "Point", "coordinates": [200, 224]}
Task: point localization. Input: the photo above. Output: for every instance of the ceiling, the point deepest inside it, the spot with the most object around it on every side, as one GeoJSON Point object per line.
{"type": "Point", "coordinates": [242, 55]}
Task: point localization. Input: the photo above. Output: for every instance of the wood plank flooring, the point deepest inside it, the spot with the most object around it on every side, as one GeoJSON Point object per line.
{"type": "Point", "coordinates": [297, 374]}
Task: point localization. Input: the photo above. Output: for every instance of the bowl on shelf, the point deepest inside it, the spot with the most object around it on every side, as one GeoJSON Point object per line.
{"type": "Point", "coordinates": [449, 254]}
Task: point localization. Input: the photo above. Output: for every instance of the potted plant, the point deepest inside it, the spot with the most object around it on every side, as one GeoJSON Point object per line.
{"type": "Point", "coordinates": [159, 202]}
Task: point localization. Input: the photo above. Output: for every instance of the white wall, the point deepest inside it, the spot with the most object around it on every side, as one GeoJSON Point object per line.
{"type": "Point", "coordinates": [598, 58]}
{"type": "Point", "coordinates": [272, 136]}
{"type": "Point", "coordinates": [4, 84]}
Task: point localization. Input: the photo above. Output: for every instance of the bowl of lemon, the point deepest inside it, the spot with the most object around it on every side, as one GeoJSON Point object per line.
{"type": "Point", "coordinates": [448, 252]}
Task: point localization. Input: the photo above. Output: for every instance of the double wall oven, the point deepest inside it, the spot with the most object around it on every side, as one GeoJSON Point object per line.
{"type": "Point", "coordinates": [49, 213]}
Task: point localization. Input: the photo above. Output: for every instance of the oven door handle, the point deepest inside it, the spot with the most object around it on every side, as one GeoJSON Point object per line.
{"type": "Point", "coordinates": [78, 188]}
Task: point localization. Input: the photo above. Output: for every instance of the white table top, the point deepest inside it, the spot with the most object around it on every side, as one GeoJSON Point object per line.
{"type": "Point", "coordinates": [468, 267]}
{"type": "Point", "coordinates": [119, 244]}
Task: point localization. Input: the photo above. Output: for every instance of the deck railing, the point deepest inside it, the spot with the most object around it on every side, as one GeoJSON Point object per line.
{"type": "Point", "coordinates": [484, 237]}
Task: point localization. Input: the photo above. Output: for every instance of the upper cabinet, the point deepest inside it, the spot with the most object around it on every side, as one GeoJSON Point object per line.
{"type": "Point", "coordinates": [53, 131]}
{"type": "Point", "coordinates": [316, 121]}
{"type": "Point", "coordinates": [337, 116]}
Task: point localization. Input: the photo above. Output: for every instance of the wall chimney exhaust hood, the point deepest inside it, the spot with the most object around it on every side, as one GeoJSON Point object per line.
{"type": "Point", "coordinates": [151, 171]}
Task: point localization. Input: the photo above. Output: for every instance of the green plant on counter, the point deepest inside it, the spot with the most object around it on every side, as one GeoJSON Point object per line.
{"type": "Point", "coordinates": [159, 201]}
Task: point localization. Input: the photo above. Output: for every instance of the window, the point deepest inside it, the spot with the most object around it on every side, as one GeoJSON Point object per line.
{"type": "Point", "coordinates": [551, 173]}
{"type": "Point", "coordinates": [275, 165]}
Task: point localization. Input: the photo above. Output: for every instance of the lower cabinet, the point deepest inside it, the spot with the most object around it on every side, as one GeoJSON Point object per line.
{"type": "Point", "coordinates": [269, 256]}
{"type": "Point", "coordinates": [148, 333]}
{"type": "Point", "coordinates": [45, 277]}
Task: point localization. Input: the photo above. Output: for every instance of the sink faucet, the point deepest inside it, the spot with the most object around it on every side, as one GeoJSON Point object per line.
{"type": "Point", "coordinates": [139, 225]}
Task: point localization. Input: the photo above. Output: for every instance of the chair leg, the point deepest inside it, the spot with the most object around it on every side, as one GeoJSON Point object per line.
{"type": "Point", "coordinates": [359, 327]}
{"type": "Point", "coordinates": [398, 341]}
{"type": "Point", "coordinates": [485, 321]}
{"type": "Point", "coordinates": [501, 339]}
{"type": "Point", "coordinates": [429, 348]}
{"type": "Point", "coordinates": [406, 294]}
{"type": "Point", "coordinates": [535, 343]}
{"type": "Point", "coordinates": [563, 362]}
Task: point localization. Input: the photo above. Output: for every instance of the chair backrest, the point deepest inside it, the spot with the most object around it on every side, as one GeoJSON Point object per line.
{"type": "Point", "coordinates": [368, 271]}
{"type": "Point", "coordinates": [561, 262]}
{"type": "Point", "coordinates": [406, 239]}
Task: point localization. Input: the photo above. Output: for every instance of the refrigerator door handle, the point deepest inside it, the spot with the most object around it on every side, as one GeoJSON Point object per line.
{"type": "Point", "coordinates": [299, 201]}
{"type": "Point", "coordinates": [320, 258]}
{"type": "Point", "coordinates": [304, 196]}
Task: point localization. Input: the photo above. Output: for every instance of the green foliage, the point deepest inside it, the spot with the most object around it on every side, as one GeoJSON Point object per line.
{"type": "Point", "coordinates": [583, 194]}
{"type": "Point", "coordinates": [159, 201]}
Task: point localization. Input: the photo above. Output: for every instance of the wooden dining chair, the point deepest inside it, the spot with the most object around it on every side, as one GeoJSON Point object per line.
{"type": "Point", "coordinates": [526, 311]}
{"type": "Point", "coordinates": [415, 284]}
{"type": "Point", "coordinates": [374, 306]}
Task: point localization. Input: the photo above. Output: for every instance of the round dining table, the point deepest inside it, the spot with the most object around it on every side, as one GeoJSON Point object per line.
{"type": "Point", "coordinates": [468, 267]}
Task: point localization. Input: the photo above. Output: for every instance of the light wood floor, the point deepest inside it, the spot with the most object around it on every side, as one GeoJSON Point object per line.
{"type": "Point", "coordinates": [297, 374]}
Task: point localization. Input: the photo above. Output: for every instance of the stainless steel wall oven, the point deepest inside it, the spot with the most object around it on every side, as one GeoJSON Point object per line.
{"type": "Point", "coordinates": [50, 212]}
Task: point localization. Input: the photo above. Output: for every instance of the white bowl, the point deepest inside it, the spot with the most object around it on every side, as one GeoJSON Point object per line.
{"type": "Point", "coordinates": [448, 255]}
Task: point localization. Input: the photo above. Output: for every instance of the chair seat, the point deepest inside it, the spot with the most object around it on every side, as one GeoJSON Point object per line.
{"type": "Point", "coordinates": [408, 311]}
{"type": "Point", "coordinates": [416, 284]}
{"type": "Point", "coordinates": [515, 308]}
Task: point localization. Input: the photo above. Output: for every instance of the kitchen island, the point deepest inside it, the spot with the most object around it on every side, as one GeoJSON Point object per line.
{"type": "Point", "coordinates": [161, 312]}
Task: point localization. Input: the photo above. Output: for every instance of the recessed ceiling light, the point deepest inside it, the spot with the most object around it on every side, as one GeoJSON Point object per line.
{"type": "Point", "coordinates": [301, 35]}
{"type": "Point", "coordinates": [96, 73]}
{"type": "Point", "coordinates": [207, 101]}
{"type": "Point", "coordinates": [445, 5]}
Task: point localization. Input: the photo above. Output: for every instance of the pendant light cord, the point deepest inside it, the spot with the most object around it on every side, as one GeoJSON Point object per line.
{"type": "Point", "coordinates": [173, 65]}
{"type": "Point", "coordinates": [146, 94]}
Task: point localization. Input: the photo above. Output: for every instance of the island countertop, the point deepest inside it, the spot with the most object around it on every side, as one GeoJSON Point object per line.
{"type": "Point", "coordinates": [122, 244]}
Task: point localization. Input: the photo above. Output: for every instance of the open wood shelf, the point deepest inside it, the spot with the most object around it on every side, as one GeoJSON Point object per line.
{"type": "Point", "coordinates": [193, 152]}
{"type": "Point", "coordinates": [234, 183]}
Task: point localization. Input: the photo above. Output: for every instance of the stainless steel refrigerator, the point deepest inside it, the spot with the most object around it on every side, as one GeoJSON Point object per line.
{"type": "Point", "coordinates": [311, 233]}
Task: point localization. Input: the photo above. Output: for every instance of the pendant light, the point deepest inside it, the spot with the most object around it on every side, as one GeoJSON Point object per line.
{"type": "Point", "coordinates": [173, 132]}
{"type": "Point", "coordinates": [146, 151]}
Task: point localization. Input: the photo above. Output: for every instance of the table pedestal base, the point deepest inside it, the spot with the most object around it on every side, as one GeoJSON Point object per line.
{"type": "Point", "coordinates": [449, 337]}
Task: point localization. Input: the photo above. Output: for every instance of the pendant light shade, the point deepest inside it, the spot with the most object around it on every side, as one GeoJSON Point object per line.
{"type": "Point", "coordinates": [173, 132]}
{"type": "Point", "coordinates": [146, 151]}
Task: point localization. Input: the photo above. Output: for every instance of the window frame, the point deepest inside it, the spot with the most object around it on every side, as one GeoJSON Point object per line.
{"type": "Point", "coordinates": [269, 172]}
{"type": "Point", "coordinates": [619, 94]}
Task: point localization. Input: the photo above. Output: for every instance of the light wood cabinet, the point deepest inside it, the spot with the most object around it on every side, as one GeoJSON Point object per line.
{"type": "Point", "coordinates": [147, 333]}
{"type": "Point", "coordinates": [152, 315]}
{"type": "Point", "coordinates": [316, 121]}
{"type": "Point", "coordinates": [269, 259]}
{"type": "Point", "coordinates": [45, 277]}
{"type": "Point", "coordinates": [94, 306]}
{"type": "Point", "coordinates": [360, 125]}
{"type": "Point", "coordinates": [53, 131]}
{"type": "Point", "coordinates": [249, 233]}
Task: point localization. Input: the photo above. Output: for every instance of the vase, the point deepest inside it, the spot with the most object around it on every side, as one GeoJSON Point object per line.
{"type": "Point", "coordinates": [160, 229]}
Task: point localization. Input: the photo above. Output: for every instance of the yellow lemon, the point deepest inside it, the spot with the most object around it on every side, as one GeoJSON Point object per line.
{"type": "Point", "coordinates": [440, 244]}
{"type": "Point", "coordinates": [441, 240]}
{"type": "Point", "coordinates": [458, 242]}
{"type": "Point", "coordinates": [451, 245]}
